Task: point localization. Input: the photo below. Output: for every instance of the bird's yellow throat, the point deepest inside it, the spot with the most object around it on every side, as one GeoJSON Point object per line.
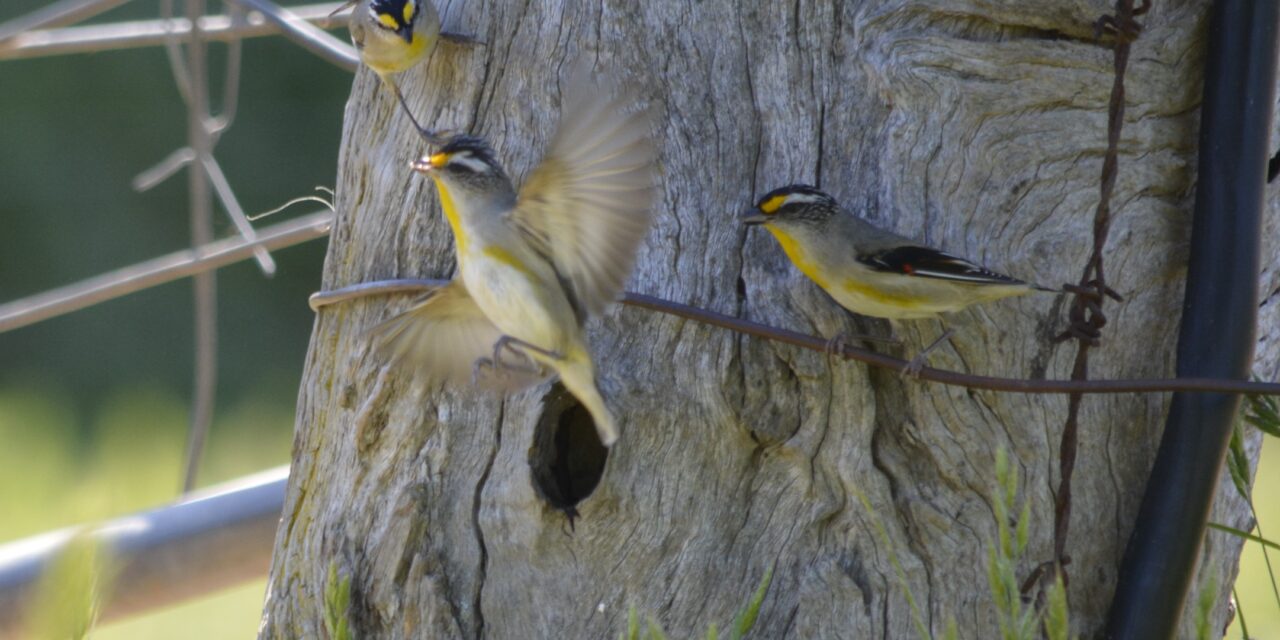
{"type": "Point", "coordinates": [851, 285]}
{"type": "Point", "coordinates": [417, 46]}
{"type": "Point", "coordinates": [792, 248]}
{"type": "Point", "coordinates": [451, 214]}
{"type": "Point", "coordinates": [461, 240]}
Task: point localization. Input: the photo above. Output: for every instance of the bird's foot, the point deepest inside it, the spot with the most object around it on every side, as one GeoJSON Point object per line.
{"type": "Point", "coordinates": [504, 370]}
{"type": "Point", "coordinates": [916, 365]}
{"type": "Point", "coordinates": [836, 345]}
{"type": "Point", "coordinates": [478, 370]}
{"type": "Point", "coordinates": [521, 348]}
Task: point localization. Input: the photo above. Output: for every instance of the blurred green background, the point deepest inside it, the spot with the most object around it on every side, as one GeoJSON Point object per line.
{"type": "Point", "coordinates": [94, 405]}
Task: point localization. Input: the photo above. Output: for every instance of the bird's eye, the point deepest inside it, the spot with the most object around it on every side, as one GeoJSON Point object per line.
{"type": "Point", "coordinates": [388, 21]}
{"type": "Point", "coordinates": [408, 12]}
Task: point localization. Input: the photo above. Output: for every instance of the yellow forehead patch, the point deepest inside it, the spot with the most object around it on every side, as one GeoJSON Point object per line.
{"type": "Point", "coordinates": [388, 21]}
{"type": "Point", "coordinates": [408, 12]}
{"type": "Point", "coordinates": [771, 206]}
{"type": "Point", "coordinates": [440, 159]}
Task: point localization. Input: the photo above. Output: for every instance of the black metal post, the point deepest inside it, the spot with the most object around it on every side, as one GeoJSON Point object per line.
{"type": "Point", "coordinates": [1218, 319]}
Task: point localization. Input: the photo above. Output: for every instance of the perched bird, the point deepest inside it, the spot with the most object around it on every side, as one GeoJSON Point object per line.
{"type": "Point", "coordinates": [534, 264]}
{"type": "Point", "coordinates": [394, 35]}
{"type": "Point", "coordinates": [871, 271]}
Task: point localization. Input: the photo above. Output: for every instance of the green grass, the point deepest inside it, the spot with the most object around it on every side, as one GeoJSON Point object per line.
{"type": "Point", "coordinates": [1253, 586]}
{"type": "Point", "coordinates": [51, 477]}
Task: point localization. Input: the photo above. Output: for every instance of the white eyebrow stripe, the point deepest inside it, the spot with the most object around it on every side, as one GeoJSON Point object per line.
{"type": "Point", "coordinates": [469, 161]}
{"type": "Point", "coordinates": [802, 198]}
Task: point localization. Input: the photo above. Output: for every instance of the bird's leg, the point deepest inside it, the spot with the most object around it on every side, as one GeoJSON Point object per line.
{"type": "Point", "coordinates": [521, 348]}
{"type": "Point", "coordinates": [510, 342]}
{"type": "Point", "coordinates": [503, 367]}
{"type": "Point", "coordinates": [461, 39]}
{"type": "Point", "coordinates": [432, 137]}
{"type": "Point", "coordinates": [837, 344]}
{"type": "Point", "coordinates": [917, 363]}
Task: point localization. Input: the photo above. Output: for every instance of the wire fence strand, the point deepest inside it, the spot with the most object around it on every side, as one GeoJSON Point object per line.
{"type": "Point", "coordinates": [150, 33]}
{"type": "Point", "coordinates": [324, 299]}
{"type": "Point", "coordinates": [157, 271]}
{"type": "Point", "coordinates": [57, 14]}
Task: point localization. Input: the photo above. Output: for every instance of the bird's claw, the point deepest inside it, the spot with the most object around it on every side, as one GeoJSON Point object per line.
{"type": "Point", "coordinates": [914, 367]}
{"type": "Point", "coordinates": [836, 345]}
{"type": "Point", "coordinates": [478, 367]}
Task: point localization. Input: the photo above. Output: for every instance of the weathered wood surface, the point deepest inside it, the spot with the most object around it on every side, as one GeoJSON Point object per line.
{"type": "Point", "coordinates": [976, 126]}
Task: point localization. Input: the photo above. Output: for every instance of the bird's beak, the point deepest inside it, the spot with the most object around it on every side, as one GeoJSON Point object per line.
{"type": "Point", "coordinates": [753, 217]}
{"type": "Point", "coordinates": [406, 32]}
{"type": "Point", "coordinates": [430, 162]}
{"type": "Point", "coordinates": [422, 165]}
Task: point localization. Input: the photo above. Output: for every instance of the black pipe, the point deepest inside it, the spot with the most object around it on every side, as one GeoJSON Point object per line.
{"type": "Point", "coordinates": [1218, 320]}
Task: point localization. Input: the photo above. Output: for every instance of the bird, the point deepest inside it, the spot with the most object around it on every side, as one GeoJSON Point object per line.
{"type": "Point", "coordinates": [871, 271]}
{"type": "Point", "coordinates": [392, 36]}
{"type": "Point", "coordinates": [534, 264]}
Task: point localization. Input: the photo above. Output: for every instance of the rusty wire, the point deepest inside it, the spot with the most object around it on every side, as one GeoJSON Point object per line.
{"type": "Point", "coordinates": [815, 343]}
{"type": "Point", "coordinates": [1086, 315]}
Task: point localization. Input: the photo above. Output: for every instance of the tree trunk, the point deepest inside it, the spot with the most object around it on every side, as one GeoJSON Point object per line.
{"type": "Point", "coordinates": [975, 127]}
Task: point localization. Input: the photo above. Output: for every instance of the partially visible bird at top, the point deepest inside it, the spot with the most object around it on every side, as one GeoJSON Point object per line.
{"type": "Point", "coordinates": [871, 271]}
{"type": "Point", "coordinates": [392, 36]}
{"type": "Point", "coordinates": [534, 264]}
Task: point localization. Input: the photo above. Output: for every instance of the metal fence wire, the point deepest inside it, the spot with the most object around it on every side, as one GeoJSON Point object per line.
{"type": "Point", "coordinates": [224, 534]}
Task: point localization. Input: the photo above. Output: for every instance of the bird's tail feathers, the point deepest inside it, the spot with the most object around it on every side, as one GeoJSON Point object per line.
{"type": "Point", "coordinates": [578, 376]}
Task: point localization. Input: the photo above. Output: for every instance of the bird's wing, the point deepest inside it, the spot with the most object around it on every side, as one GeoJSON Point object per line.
{"type": "Point", "coordinates": [586, 206]}
{"type": "Point", "coordinates": [442, 338]}
{"type": "Point", "coordinates": [930, 263]}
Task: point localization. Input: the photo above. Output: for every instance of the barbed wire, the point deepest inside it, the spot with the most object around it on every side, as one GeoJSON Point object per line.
{"type": "Point", "coordinates": [1086, 314]}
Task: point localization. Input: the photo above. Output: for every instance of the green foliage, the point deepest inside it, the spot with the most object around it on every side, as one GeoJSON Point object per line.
{"type": "Point", "coordinates": [1238, 462]}
{"type": "Point", "coordinates": [917, 619]}
{"type": "Point", "coordinates": [746, 619]}
{"type": "Point", "coordinates": [70, 593]}
{"type": "Point", "coordinates": [1244, 626]}
{"type": "Point", "coordinates": [1056, 622]}
{"type": "Point", "coordinates": [741, 626]}
{"type": "Point", "coordinates": [337, 605]}
{"type": "Point", "coordinates": [1260, 411]}
{"type": "Point", "coordinates": [1263, 412]}
{"type": "Point", "coordinates": [1244, 535]}
{"type": "Point", "coordinates": [1204, 608]}
{"type": "Point", "coordinates": [1017, 620]}
{"type": "Point", "coordinates": [952, 632]}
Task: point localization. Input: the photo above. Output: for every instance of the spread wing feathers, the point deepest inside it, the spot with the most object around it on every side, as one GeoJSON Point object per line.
{"type": "Point", "coordinates": [444, 336]}
{"type": "Point", "coordinates": [586, 206]}
{"type": "Point", "coordinates": [931, 263]}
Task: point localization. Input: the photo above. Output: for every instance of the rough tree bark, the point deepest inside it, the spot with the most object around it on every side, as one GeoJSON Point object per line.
{"type": "Point", "coordinates": [977, 126]}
